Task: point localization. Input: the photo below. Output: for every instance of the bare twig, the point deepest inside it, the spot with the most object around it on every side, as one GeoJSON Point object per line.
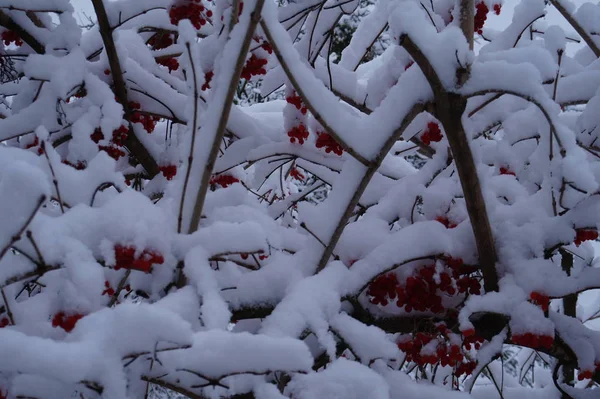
{"type": "Point", "coordinates": [17, 236]}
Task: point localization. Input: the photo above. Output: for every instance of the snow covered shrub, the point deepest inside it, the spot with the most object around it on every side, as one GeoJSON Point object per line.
{"type": "Point", "coordinates": [413, 224]}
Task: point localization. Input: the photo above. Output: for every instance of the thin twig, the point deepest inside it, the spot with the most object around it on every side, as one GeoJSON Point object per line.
{"type": "Point", "coordinates": [7, 307]}
{"type": "Point", "coordinates": [54, 179]}
{"type": "Point", "coordinates": [16, 237]}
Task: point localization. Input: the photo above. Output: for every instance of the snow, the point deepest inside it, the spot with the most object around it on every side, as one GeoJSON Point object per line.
{"type": "Point", "coordinates": [243, 303]}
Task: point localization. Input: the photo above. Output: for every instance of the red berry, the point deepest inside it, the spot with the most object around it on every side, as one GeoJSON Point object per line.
{"type": "Point", "coordinates": [223, 180]}
{"type": "Point", "coordinates": [207, 78]}
{"type": "Point", "coordinates": [468, 332]}
{"type": "Point", "coordinates": [169, 171]}
{"type": "Point", "coordinates": [330, 144]}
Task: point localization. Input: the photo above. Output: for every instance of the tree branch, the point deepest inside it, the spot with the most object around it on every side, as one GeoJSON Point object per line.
{"type": "Point", "coordinates": [578, 28]}
{"type": "Point", "coordinates": [313, 110]}
{"type": "Point", "coordinates": [341, 225]}
{"type": "Point", "coordinates": [467, 20]}
{"type": "Point", "coordinates": [132, 142]}
{"type": "Point", "coordinates": [8, 23]}
{"type": "Point", "coordinates": [255, 18]}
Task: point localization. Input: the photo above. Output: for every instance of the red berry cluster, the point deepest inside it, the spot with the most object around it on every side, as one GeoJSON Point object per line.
{"type": "Point", "coordinates": [382, 289]}
{"type": "Point", "coordinates": [299, 133]}
{"type": "Point", "coordinates": [325, 140]}
{"type": "Point", "coordinates": [97, 135]}
{"type": "Point", "coordinates": [296, 101]}
{"type": "Point", "coordinates": [585, 235]}
{"type": "Point", "coordinates": [148, 121]}
{"type": "Point", "coordinates": [541, 300]}
{"type": "Point", "coordinates": [192, 10]}
{"type": "Point", "coordinates": [497, 9]}
{"type": "Point", "coordinates": [422, 291]}
{"type": "Point", "coordinates": [120, 135]}
{"type": "Point", "coordinates": [207, 78]}
{"type": "Point", "coordinates": [125, 259]}
{"type": "Point", "coordinates": [160, 41]}
{"type": "Point", "coordinates": [169, 171]}
{"type": "Point", "coordinates": [506, 171]}
{"type": "Point", "coordinates": [261, 257]}
{"type": "Point", "coordinates": [112, 151]}
{"type": "Point", "coordinates": [170, 63]}
{"type": "Point", "coordinates": [65, 322]}
{"type": "Point", "coordinates": [296, 174]}
{"type": "Point", "coordinates": [481, 11]}
{"type": "Point", "coordinates": [4, 322]}
{"type": "Point", "coordinates": [446, 222]}
{"type": "Point", "coordinates": [223, 180]}
{"type": "Point", "coordinates": [432, 133]}
{"type": "Point", "coordinates": [254, 66]}
{"type": "Point", "coordinates": [440, 347]}
{"type": "Point", "coordinates": [582, 375]}
{"type": "Point", "coordinates": [9, 36]}
{"type": "Point", "coordinates": [533, 341]}
{"type": "Point", "coordinates": [110, 291]}
{"type": "Point", "coordinates": [114, 148]}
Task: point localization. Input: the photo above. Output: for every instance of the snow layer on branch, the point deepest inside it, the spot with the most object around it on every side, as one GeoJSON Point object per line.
{"type": "Point", "coordinates": [443, 50]}
{"type": "Point", "coordinates": [343, 379]}
{"type": "Point", "coordinates": [22, 188]}
{"type": "Point", "coordinates": [400, 247]}
{"type": "Point", "coordinates": [524, 14]}
{"type": "Point", "coordinates": [367, 342]}
{"type": "Point", "coordinates": [337, 116]}
{"type": "Point", "coordinates": [93, 351]}
{"type": "Point", "coordinates": [311, 303]}
{"type": "Point", "coordinates": [364, 36]}
{"type": "Point", "coordinates": [403, 387]}
{"type": "Point", "coordinates": [218, 353]}
{"type": "Point", "coordinates": [215, 312]}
